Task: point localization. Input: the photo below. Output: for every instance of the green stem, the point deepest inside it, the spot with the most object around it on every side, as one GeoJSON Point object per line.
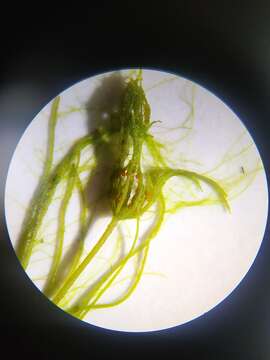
{"type": "Point", "coordinates": [83, 308]}
{"type": "Point", "coordinates": [74, 276]}
{"type": "Point", "coordinates": [51, 141]}
{"type": "Point", "coordinates": [83, 227]}
{"type": "Point", "coordinates": [42, 200]}
{"type": "Point", "coordinates": [131, 289]}
{"type": "Point", "coordinates": [52, 277]}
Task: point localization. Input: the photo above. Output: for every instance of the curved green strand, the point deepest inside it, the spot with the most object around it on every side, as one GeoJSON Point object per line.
{"type": "Point", "coordinates": [74, 276]}
{"type": "Point", "coordinates": [152, 234]}
{"type": "Point", "coordinates": [51, 141]}
{"type": "Point", "coordinates": [81, 309]}
{"type": "Point", "coordinates": [42, 200]}
{"type": "Point", "coordinates": [52, 277]}
{"type": "Point", "coordinates": [131, 289]}
{"type": "Point", "coordinates": [83, 227]}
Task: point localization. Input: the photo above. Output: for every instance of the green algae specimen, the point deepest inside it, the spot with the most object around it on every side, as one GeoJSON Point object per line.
{"type": "Point", "coordinates": [133, 190]}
